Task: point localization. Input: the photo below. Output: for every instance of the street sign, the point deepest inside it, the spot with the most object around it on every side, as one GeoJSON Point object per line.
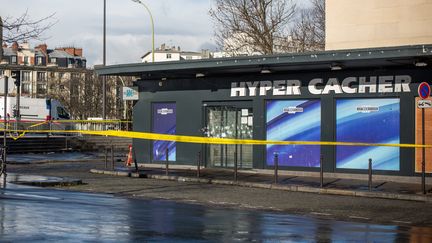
{"type": "Point", "coordinates": [422, 104]}
{"type": "Point", "coordinates": [130, 93]}
{"type": "Point", "coordinates": [424, 90]}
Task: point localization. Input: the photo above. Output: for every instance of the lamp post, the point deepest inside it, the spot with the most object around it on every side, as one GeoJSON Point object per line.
{"type": "Point", "coordinates": [152, 24]}
{"type": "Point", "coordinates": [104, 63]}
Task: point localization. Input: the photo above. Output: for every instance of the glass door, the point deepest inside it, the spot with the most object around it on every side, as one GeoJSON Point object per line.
{"type": "Point", "coordinates": [225, 121]}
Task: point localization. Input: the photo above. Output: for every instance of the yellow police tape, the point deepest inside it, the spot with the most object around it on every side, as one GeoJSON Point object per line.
{"type": "Point", "coordinates": [212, 140]}
{"type": "Point", "coordinates": [25, 131]}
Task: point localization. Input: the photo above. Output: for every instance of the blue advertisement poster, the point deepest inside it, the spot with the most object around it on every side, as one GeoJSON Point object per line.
{"type": "Point", "coordinates": [294, 120]}
{"type": "Point", "coordinates": [164, 122]}
{"type": "Point", "coordinates": [368, 121]}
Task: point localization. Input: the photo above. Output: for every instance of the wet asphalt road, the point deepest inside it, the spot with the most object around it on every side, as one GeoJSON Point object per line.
{"type": "Point", "coordinates": [30, 214]}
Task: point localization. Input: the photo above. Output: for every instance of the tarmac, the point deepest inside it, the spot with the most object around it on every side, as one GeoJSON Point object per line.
{"type": "Point", "coordinates": [355, 185]}
{"type": "Point", "coordinates": [384, 187]}
{"type": "Point", "coordinates": [41, 181]}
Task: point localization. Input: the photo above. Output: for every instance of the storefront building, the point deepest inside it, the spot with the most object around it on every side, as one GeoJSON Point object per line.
{"type": "Point", "coordinates": [365, 95]}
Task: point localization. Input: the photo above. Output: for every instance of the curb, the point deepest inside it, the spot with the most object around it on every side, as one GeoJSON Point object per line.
{"type": "Point", "coordinates": [292, 188]}
{"type": "Point", "coordinates": [48, 183]}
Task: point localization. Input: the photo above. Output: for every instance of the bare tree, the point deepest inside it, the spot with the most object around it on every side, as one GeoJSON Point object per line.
{"type": "Point", "coordinates": [1, 38]}
{"type": "Point", "coordinates": [252, 25]}
{"type": "Point", "coordinates": [24, 28]}
{"type": "Point", "coordinates": [82, 94]}
{"type": "Point", "coordinates": [308, 34]}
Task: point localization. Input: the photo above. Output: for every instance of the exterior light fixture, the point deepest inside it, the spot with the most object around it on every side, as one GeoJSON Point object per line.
{"type": "Point", "coordinates": [420, 63]}
{"type": "Point", "coordinates": [335, 67]}
{"type": "Point", "coordinates": [199, 75]}
{"type": "Point", "coordinates": [265, 71]}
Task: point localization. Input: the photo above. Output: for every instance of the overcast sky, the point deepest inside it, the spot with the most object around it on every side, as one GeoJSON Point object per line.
{"type": "Point", "coordinates": [183, 23]}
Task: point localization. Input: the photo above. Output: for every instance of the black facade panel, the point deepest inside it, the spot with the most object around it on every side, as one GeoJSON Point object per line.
{"type": "Point", "coordinates": [192, 95]}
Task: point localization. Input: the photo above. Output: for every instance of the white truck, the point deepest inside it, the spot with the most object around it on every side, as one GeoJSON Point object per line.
{"type": "Point", "coordinates": [34, 109]}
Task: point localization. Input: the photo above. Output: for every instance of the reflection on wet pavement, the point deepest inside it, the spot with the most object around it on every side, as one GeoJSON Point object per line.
{"type": "Point", "coordinates": [37, 214]}
{"type": "Point", "coordinates": [69, 156]}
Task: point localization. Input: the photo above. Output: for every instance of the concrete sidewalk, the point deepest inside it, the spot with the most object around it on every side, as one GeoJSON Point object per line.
{"type": "Point", "coordinates": [386, 187]}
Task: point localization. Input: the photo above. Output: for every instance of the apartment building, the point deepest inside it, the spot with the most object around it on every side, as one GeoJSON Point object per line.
{"type": "Point", "coordinates": [352, 24]}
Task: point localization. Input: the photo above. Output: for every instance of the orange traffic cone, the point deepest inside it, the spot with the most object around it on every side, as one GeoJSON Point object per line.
{"type": "Point", "coordinates": [129, 158]}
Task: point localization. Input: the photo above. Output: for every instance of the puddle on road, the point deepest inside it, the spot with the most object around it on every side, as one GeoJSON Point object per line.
{"type": "Point", "coordinates": [36, 214]}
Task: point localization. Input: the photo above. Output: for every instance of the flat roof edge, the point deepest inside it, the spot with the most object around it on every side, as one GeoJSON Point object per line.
{"type": "Point", "coordinates": [132, 69]}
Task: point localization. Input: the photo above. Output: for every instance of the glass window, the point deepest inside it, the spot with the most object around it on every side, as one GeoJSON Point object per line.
{"type": "Point", "coordinates": [168, 55]}
{"type": "Point", "coordinates": [62, 113]}
{"type": "Point", "coordinates": [164, 122]}
{"type": "Point", "coordinates": [26, 76]}
{"type": "Point", "coordinates": [26, 60]}
{"type": "Point", "coordinates": [294, 120]}
{"type": "Point", "coordinates": [368, 121]}
{"type": "Point", "coordinates": [75, 75]}
{"type": "Point", "coordinates": [41, 76]}
{"type": "Point", "coordinates": [41, 88]}
{"type": "Point", "coordinates": [39, 60]}
{"type": "Point", "coordinates": [14, 60]}
{"type": "Point", "coordinates": [53, 60]}
{"type": "Point", "coordinates": [25, 88]}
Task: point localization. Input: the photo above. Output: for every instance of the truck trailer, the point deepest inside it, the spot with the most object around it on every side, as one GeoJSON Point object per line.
{"type": "Point", "coordinates": [33, 109]}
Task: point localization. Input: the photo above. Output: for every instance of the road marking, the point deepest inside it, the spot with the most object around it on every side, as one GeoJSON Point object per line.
{"type": "Point", "coordinates": [402, 222]}
{"type": "Point", "coordinates": [358, 217]}
{"type": "Point", "coordinates": [323, 214]}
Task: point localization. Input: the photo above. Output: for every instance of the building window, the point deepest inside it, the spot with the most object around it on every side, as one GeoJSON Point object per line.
{"type": "Point", "coordinates": [168, 55]}
{"type": "Point", "coordinates": [39, 61]}
{"type": "Point", "coordinates": [75, 76]}
{"type": "Point", "coordinates": [289, 120]}
{"type": "Point", "coordinates": [164, 122]}
{"type": "Point", "coordinates": [25, 76]}
{"type": "Point", "coordinates": [368, 120]}
{"type": "Point", "coordinates": [25, 88]}
{"type": "Point", "coordinates": [26, 60]}
{"type": "Point", "coordinates": [41, 88]}
{"type": "Point", "coordinates": [14, 60]}
{"type": "Point", "coordinates": [53, 60]}
{"type": "Point", "coordinates": [41, 76]}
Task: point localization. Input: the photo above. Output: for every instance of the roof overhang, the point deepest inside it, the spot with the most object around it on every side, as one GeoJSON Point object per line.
{"type": "Point", "coordinates": [312, 61]}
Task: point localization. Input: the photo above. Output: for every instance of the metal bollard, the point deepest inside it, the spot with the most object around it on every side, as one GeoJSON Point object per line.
{"type": "Point", "coordinates": [235, 166]}
{"type": "Point", "coordinates": [134, 159]}
{"type": "Point", "coordinates": [167, 162]}
{"type": "Point", "coordinates": [106, 158]}
{"type": "Point", "coordinates": [112, 156]}
{"type": "Point", "coordinates": [276, 165]}
{"type": "Point", "coordinates": [199, 165]}
{"type": "Point", "coordinates": [370, 175]}
{"type": "Point", "coordinates": [321, 171]}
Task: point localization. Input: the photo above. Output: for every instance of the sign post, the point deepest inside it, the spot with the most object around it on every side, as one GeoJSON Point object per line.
{"type": "Point", "coordinates": [3, 165]}
{"type": "Point", "coordinates": [424, 93]}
